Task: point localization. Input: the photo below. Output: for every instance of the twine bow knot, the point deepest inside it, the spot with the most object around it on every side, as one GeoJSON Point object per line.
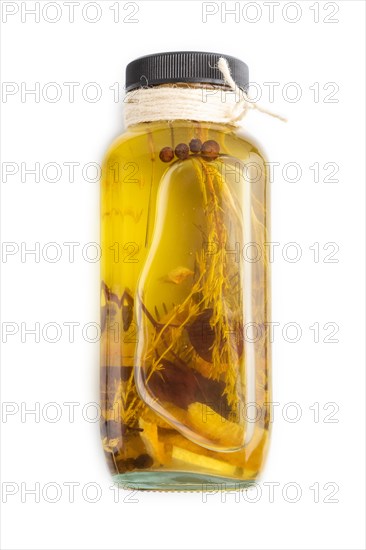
{"type": "Point", "coordinates": [242, 106]}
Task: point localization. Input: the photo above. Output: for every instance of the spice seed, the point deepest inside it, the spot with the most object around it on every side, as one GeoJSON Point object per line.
{"type": "Point", "coordinates": [166, 154]}
{"type": "Point", "coordinates": [195, 145]}
{"type": "Point", "coordinates": [182, 151]}
{"type": "Point", "coordinates": [210, 150]}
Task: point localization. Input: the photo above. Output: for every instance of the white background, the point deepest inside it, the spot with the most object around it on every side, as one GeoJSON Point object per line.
{"type": "Point", "coordinates": [306, 452]}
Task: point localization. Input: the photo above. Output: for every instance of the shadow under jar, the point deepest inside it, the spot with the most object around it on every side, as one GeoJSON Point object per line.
{"type": "Point", "coordinates": [185, 303]}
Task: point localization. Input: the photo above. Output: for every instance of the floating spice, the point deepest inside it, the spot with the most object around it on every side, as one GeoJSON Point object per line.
{"type": "Point", "coordinates": [178, 275]}
{"type": "Point", "coordinates": [127, 303]}
{"type": "Point", "coordinates": [182, 151]}
{"type": "Point", "coordinates": [210, 150]}
{"type": "Point", "coordinates": [195, 145]}
{"type": "Point", "coordinates": [166, 154]}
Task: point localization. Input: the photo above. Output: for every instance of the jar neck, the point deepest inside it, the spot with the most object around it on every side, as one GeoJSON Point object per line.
{"type": "Point", "coordinates": [182, 101]}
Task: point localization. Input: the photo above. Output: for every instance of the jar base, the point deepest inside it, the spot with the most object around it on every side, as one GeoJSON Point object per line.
{"type": "Point", "coordinates": [178, 481]}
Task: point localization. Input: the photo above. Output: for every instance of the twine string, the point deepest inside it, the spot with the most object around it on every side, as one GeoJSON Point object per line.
{"type": "Point", "coordinates": [241, 108]}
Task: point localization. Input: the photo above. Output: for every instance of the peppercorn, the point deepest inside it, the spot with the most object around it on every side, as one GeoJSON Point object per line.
{"type": "Point", "coordinates": [126, 465]}
{"type": "Point", "coordinates": [143, 461]}
{"type": "Point", "coordinates": [195, 145]}
{"type": "Point", "coordinates": [210, 150]}
{"type": "Point", "coordinates": [182, 151]}
{"type": "Point", "coordinates": [166, 154]}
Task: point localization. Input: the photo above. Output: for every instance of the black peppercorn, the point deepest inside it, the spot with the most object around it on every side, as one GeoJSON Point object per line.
{"type": "Point", "coordinates": [210, 150]}
{"type": "Point", "coordinates": [195, 145]}
{"type": "Point", "coordinates": [182, 151]}
{"type": "Point", "coordinates": [143, 461]}
{"type": "Point", "coordinates": [166, 154]}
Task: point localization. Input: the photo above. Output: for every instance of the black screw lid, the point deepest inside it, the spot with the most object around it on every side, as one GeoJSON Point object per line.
{"type": "Point", "coordinates": [167, 67]}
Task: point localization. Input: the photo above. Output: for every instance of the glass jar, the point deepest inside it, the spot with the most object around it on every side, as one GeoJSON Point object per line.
{"type": "Point", "coordinates": [185, 303]}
